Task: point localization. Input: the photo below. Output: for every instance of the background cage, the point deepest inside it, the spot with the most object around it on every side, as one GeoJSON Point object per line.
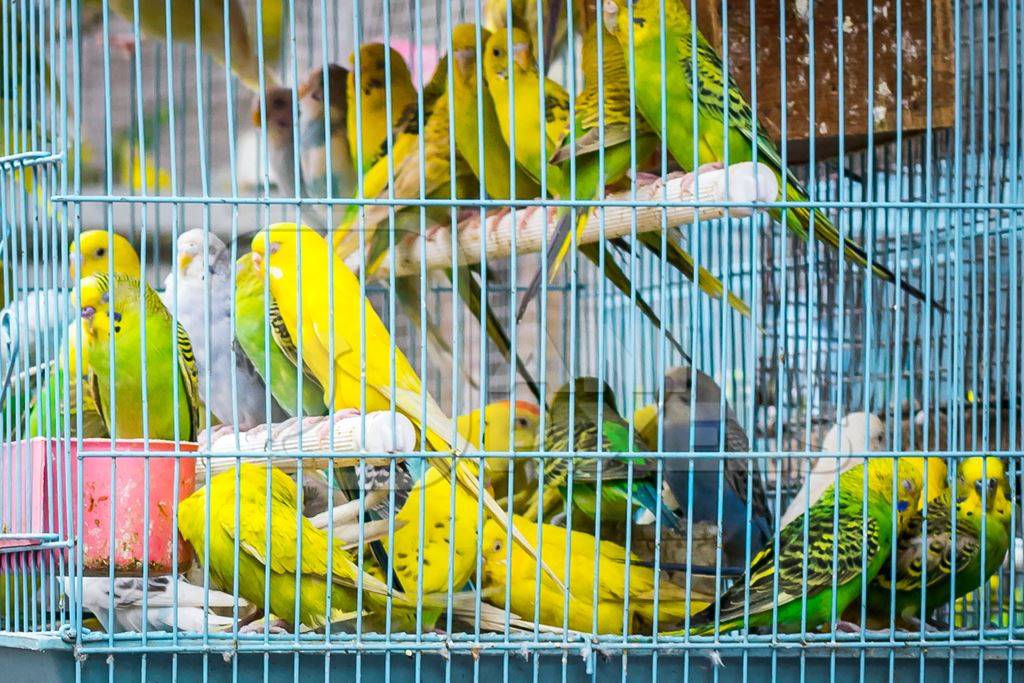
{"type": "Point", "coordinates": [105, 128]}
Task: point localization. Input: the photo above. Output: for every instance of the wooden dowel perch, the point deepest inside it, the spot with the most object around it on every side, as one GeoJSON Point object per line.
{"type": "Point", "coordinates": [746, 182]}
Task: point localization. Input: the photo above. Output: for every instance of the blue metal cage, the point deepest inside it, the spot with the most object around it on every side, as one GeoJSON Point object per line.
{"type": "Point", "coordinates": [158, 158]}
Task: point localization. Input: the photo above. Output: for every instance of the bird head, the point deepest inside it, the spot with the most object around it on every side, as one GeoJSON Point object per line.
{"type": "Point", "coordinates": [373, 70]}
{"type": "Point", "coordinates": [497, 419]}
{"type": "Point", "coordinates": [312, 95]}
{"type": "Point", "coordinates": [464, 49]}
{"type": "Point", "coordinates": [982, 485]}
{"type": "Point", "coordinates": [909, 474]}
{"type": "Point", "coordinates": [494, 550]}
{"type": "Point", "coordinates": [191, 247]}
{"type": "Point", "coordinates": [277, 246]}
{"type": "Point", "coordinates": [104, 302]}
{"type": "Point", "coordinates": [278, 116]}
{"type": "Point", "coordinates": [496, 54]}
{"type": "Point", "coordinates": [103, 251]}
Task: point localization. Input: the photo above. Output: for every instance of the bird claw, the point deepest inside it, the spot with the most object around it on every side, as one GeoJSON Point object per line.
{"type": "Point", "coordinates": [276, 627]}
{"type": "Point", "coordinates": [847, 627]}
{"type": "Point", "coordinates": [691, 178]}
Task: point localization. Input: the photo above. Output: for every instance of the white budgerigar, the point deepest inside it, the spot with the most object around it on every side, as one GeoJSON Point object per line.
{"type": "Point", "coordinates": [172, 602]}
{"type": "Point", "coordinates": [198, 280]}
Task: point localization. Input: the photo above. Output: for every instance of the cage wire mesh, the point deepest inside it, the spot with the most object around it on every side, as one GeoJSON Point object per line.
{"type": "Point", "coordinates": [130, 531]}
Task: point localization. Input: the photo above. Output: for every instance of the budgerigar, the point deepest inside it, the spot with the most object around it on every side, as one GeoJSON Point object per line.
{"type": "Point", "coordinates": [698, 404]}
{"type": "Point", "coordinates": [503, 432]}
{"type": "Point", "coordinates": [112, 311]}
{"type": "Point", "coordinates": [775, 587]}
{"type": "Point", "coordinates": [280, 369]}
{"type": "Point", "coordinates": [229, 383]}
{"type": "Point", "coordinates": [725, 123]}
{"type": "Point", "coordinates": [169, 604]}
{"type": "Point", "coordinates": [356, 375]}
{"type": "Point", "coordinates": [925, 566]}
{"type": "Point", "coordinates": [287, 529]}
{"type": "Point", "coordinates": [367, 104]}
{"type": "Point", "coordinates": [595, 405]}
{"type": "Point", "coordinates": [323, 111]}
{"type": "Point", "coordinates": [520, 579]}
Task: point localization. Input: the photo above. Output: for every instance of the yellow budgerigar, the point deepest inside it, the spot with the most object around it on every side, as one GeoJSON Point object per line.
{"type": "Point", "coordinates": [610, 574]}
{"type": "Point", "coordinates": [277, 547]}
{"type": "Point", "coordinates": [503, 432]}
{"type": "Point", "coordinates": [330, 337]}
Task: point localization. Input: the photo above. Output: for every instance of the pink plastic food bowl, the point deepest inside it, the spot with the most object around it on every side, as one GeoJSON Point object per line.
{"type": "Point", "coordinates": [114, 496]}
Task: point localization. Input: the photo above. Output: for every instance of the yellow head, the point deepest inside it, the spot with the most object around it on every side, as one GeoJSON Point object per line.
{"type": "Point", "coordinates": [496, 52]}
{"type": "Point", "coordinates": [909, 480]}
{"type": "Point", "coordinates": [464, 49]}
{"type": "Point", "coordinates": [106, 302]}
{"type": "Point", "coordinates": [277, 247]}
{"type": "Point", "coordinates": [645, 16]}
{"type": "Point", "coordinates": [497, 416]}
{"type": "Point", "coordinates": [983, 481]}
{"type": "Point", "coordinates": [494, 550]}
{"type": "Point", "coordinates": [100, 250]}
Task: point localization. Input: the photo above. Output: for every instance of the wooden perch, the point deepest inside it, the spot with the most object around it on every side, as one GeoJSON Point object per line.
{"type": "Point", "coordinates": [747, 182]}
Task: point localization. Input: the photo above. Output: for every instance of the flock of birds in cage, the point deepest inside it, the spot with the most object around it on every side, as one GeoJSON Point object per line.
{"type": "Point", "coordinates": [601, 532]}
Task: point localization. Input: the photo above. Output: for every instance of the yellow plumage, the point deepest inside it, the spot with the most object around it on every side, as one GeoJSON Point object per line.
{"type": "Point", "coordinates": [610, 577]}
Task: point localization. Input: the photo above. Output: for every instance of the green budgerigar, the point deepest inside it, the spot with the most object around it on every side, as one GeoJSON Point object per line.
{"type": "Point", "coordinates": [282, 555]}
{"type": "Point", "coordinates": [844, 555]}
{"type": "Point", "coordinates": [594, 409]}
{"type": "Point", "coordinates": [927, 562]}
{"type": "Point", "coordinates": [277, 363]}
{"type": "Point", "coordinates": [719, 103]}
{"type": "Point", "coordinates": [112, 313]}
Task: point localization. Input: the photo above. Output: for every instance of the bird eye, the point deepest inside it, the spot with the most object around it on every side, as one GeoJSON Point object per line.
{"type": "Point", "coordinates": [497, 546]}
{"type": "Point", "coordinates": [521, 421]}
{"type": "Point", "coordinates": [101, 252]}
{"type": "Point", "coordinates": [496, 52]}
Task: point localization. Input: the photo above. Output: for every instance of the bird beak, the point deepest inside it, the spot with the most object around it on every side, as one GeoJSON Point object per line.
{"type": "Point", "coordinates": [184, 261]}
{"type": "Point", "coordinates": [257, 260]}
{"type": "Point", "coordinates": [257, 120]}
{"type": "Point", "coordinates": [611, 15]}
{"type": "Point", "coordinates": [522, 56]}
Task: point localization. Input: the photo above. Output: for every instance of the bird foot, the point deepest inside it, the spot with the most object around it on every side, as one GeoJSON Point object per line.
{"type": "Point", "coordinates": [847, 627]}
{"type": "Point", "coordinates": [691, 178]}
{"type": "Point", "coordinates": [277, 626]}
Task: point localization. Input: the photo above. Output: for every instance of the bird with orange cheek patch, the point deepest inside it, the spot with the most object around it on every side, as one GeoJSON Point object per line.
{"type": "Point", "coordinates": [503, 427]}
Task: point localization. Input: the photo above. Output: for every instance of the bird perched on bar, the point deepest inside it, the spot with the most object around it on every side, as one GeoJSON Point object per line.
{"type": "Point", "coordinates": [379, 69]}
{"type": "Point", "coordinates": [229, 383]}
{"type": "Point", "coordinates": [323, 112]}
{"type": "Point", "coordinates": [160, 376]}
{"type": "Point", "coordinates": [723, 119]}
{"type": "Point", "coordinates": [930, 568]}
{"type": "Point", "coordinates": [596, 425]}
{"type": "Point", "coordinates": [271, 540]}
{"type": "Point", "coordinates": [695, 401]}
{"type": "Point", "coordinates": [152, 20]}
{"type": "Point", "coordinates": [618, 576]}
{"type": "Point", "coordinates": [276, 362]}
{"type": "Point", "coordinates": [95, 251]}
{"type": "Point", "coordinates": [163, 603]}
{"type": "Point", "coordinates": [807, 562]}
{"type": "Point", "coordinates": [856, 432]}
{"type": "Point", "coordinates": [332, 334]}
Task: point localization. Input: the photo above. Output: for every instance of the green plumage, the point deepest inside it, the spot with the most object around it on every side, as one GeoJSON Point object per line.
{"type": "Point", "coordinates": [585, 437]}
{"type": "Point", "coordinates": [282, 373]}
{"type": "Point", "coordinates": [725, 122]}
{"type": "Point", "coordinates": [845, 554]}
{"type": "Point", "coordinates": [118, 305]}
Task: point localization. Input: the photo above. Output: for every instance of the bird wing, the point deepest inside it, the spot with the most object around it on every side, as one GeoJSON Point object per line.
{"type": "Point", "coordinates": [929, 561]}
{"type": "Point", "coordinates": [189, 380]}
{"type": "Point", "coordinates": [833, 555]}
{"type": "Point", "coordinates": [283, 339]}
